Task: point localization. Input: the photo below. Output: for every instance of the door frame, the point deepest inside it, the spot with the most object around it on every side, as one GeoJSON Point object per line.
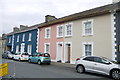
{"type": "Point", "coordinates": [57, 44]}
{"type": "Point", "coordinates": [66, 52]}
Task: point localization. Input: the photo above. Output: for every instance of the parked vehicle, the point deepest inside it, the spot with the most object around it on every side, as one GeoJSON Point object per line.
{"type": "Point", "coordinates": [21, 56]}
{"type": "Point", "coordinates": [40, 58]}
{"type": "Point", "coordinates": [8, 55]}
{"type": "Point", "coordinates": [100, 65]}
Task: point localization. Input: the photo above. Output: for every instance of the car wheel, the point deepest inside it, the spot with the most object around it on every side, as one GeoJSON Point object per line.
{"type": "Point", "coordinates": [19, 59]}
{"type": "Point", "coordinates": [39, 62]}
{"type": "Point", "coordinates": [29, 61]}
{"type": "Point", "coordinates": [80, 69]}
{"type": "Point", "coordinates": [116, 74]}
{"type": "Point", "coordinates": [48, 63]}
{"type": "Point", "coordinates": [7, 57]}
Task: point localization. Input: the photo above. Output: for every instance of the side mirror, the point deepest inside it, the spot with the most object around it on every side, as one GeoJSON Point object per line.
{"type": "Point", "coordinates": [107, 63]}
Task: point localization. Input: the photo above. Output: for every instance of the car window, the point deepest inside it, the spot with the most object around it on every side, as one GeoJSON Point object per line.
{"type": "Point", "coordinates": [17, 53]}
{"type": "Point", "coordinates": [89, 58]}
{"type": "Point", "coordinates": [100, 60]}
{"type": "Point", "coordinates": [46, 55]}
{"type": "Point", "coordinates": [39, 54]}
{"type": "Point", "coordinates": [97, 59]}
{"type": "Point", "coordinates": [12, 53]}
{"type": "Point", "coordinates": [25, 54]}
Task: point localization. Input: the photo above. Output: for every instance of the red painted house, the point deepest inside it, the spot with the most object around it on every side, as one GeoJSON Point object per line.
{"type": "Point", "coordinates": [51, 40]}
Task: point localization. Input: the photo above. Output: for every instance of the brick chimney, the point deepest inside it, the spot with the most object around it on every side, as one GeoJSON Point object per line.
{"type": "Point", "coordinates": [22, 27]}
{"type": "Point", "coordinates": [3, 36]}
{"type": "Point", "coordinates": [115, 1]}
{"type": "Point", "coordinates": [49, 18]}
{"type": "Point", "coordinates": [15, 29]}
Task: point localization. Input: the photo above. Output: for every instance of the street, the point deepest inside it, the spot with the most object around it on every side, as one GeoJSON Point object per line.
{"type": "Point", "coordinates": [55, 70]}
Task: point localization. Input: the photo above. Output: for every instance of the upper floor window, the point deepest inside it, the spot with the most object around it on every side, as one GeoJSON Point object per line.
{"type": "Point", "coordinates": [60, 31]}
{"type": "Point", "coordinates": [23, 37]}
{"type": "Point", "coordinates": [68, 30]}
{"type": "Point", "coordinates": [88, 27]}
{"type": "Point", "coordinates": [47, 32]}
{"type": "Point", "coordinates": [30, 36]}
{"type": "Point", "coordinates": [18, 38]}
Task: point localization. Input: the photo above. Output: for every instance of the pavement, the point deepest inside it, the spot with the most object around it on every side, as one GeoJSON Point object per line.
{"type": "Point", "coordinates": [64, 64]}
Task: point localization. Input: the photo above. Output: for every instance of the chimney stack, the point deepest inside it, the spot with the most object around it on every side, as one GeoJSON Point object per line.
{"type": "Point", "coordinates": [15, 29]}
{"type": "Point", "coordinates": [22, 27]}
{"type": "Point", "coordinates": [49, 18]}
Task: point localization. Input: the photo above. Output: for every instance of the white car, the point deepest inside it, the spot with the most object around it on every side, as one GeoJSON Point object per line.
{"type": "Point", "coordinates": [8, 54]}
{"type": "Point", "coordinates": [21, 56]}
{"type": "Point", "coordinates": [100, 65]}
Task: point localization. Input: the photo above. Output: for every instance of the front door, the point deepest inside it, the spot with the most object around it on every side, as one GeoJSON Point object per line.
{"type": "Point", "coordinates": [59, 52]}
{"type": "Point", "coordinates": [69, 54]}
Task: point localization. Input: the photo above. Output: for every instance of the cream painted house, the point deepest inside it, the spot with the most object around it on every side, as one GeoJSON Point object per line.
{"type": "Point", "coordinates": [90, 36]}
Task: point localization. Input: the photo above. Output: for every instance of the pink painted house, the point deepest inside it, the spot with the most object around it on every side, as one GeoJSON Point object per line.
{"type": "Point", "coordinates": [51, 41]}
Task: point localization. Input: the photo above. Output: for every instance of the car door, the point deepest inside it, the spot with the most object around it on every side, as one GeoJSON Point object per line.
{"type": "Point", "coordinates": [16, 56]}
{"type": "Point", "coordinates": [35, 58]}
{"type": "Point", "coordinates": [101, 65]}
{"type": "Point", "coordinates": [88, 62]}
{"type": "Point", "coordinates": [32, 58]}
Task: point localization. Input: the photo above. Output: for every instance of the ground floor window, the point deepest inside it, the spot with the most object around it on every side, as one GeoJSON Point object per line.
{"type": "Point", "coordinates": [17, 49]}
{"type": "Point", "coordinates": [29, 49]}
{"type": "Point", "coordinates": [88, 49]}
{"type": "Point", "coordinates": [47, 48]}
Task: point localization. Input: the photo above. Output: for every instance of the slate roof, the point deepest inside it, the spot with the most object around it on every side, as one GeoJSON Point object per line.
{"type": "Point", "coordinates": [107, 9]}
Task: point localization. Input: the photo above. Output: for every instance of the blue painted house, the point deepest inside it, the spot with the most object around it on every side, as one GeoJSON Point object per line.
{"type": "Point", "coordinates": [23, 39]}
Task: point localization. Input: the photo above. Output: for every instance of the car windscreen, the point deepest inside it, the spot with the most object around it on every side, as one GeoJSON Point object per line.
{"type": "Point", "coordinates": [46, 55]}
{"type": "Point", "coordinates": [109, 60]}
{"type": "Point", "coordinates": [17, 53]}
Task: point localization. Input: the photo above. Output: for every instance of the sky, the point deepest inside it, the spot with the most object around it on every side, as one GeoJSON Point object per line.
{"type": "Point", "coordinates": [14, 13]}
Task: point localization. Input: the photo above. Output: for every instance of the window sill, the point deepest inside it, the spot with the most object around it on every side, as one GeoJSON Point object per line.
{"type": "Point", "coordinates": [47, 38]}
{"type": "Point", "coordinates": [59, 36]}
{"type": "Point", "coordinates": [87, 35]}
{"type": "Point", "coordinates": [68, 36]}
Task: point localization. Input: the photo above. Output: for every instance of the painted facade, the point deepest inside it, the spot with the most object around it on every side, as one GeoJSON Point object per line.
{"type": "Point", "coordinates": [25, 41]}
{"type": "Point", "coordinates": [117, 34]}
{"type": "Point", "coordinates": [51, 43]}
{"type": "Point", "coordinates": [99, 41]}
{"type": "Point", "coordinates": [93, 32]}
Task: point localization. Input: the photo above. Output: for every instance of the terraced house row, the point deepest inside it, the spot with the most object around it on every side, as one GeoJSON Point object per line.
{"type": "Point", "coordinates": [92, 32]}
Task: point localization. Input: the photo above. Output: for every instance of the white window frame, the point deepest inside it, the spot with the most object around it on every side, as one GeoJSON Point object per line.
{"type": "Point", "coordinates": [58, 27]}
{"type": "Point", "coordinates": [45, 48]}
{"type": "Point", "coordinates": [23, 37]}
{"type": "Point", "coordinates": [9, 40]}
{"type": "Point", "coordinates": [17, 48]}
{"type": "Point", "coordinates": [30, 36]}
{"type": "Point", "coordinates": [87, 43]}
{"type": "Point", "coordinates": [83, 28]}
{"type": "Point", "coordinates": [66, 35]}
{"type": "Point", "coordinates": [18, 37]}
{"type": "Point", "coordinates": [29, 49]}
{"type": "Point", "coordinates": [47, 33]}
